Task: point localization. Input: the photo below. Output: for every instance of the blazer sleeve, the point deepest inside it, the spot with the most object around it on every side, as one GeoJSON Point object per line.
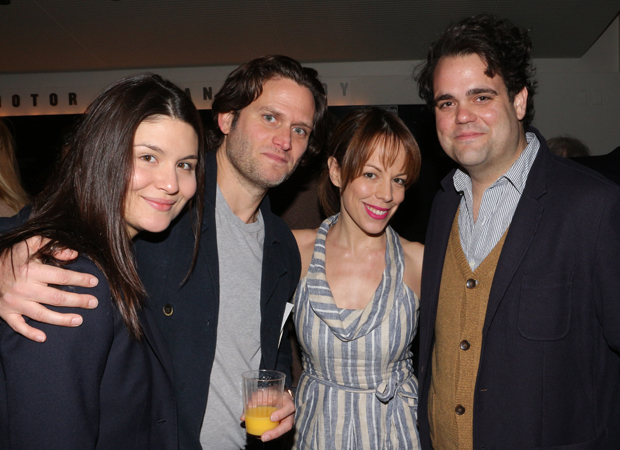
{"type": "Point", "coordinates": [607, 271]}
{"type": "Point", "coordinates": [51, 389]}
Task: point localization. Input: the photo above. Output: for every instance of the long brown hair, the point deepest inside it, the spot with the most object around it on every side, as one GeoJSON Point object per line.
{"type": "Point", "coordinates": [83, 204]}
{"type": "Point", "coordinates": [352, 144]}
{"type": "Point", "coordinates": [11, 191]}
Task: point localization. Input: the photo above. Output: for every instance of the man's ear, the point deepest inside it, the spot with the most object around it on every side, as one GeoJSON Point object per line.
{"type": "Point", "coordinates": [224, 121]}
{"type": "Point", "coordinates": [520, 103]}
{"type": "Point", "coordinates": [334, 171]}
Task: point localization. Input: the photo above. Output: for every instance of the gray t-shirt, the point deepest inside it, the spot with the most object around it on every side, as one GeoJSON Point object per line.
{"type": "Point", "coordinates": [240, 252]}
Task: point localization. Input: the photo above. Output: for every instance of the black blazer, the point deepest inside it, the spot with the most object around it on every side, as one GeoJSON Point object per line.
{"type": "Point", "coordinates": [90, 387]}
{"type": "Point", "coordinates": [549, 374]}
{"type": "Point", "coordinates": [607, 165]}
{"type": "Point", "coordinates": [187, 313]}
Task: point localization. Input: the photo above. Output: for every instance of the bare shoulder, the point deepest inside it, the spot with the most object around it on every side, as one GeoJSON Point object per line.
{"type": "Point", "coordinates": [305, 242]}
{"type": "Point", "coordinates": [414, 251]}
{"type": "Point", "coordinates": [305, 238]}
{"type": "Point", "coordinates": [414, 255]}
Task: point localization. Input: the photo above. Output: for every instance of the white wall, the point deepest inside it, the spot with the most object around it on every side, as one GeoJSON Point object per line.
{"type": "Point", "coordinates": [578, 97]}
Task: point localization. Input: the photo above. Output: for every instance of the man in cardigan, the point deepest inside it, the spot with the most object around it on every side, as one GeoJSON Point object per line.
{"type": "Point", "coordinates": [226, 319]}
{"type": "Point", "coordinates": [520, 311]}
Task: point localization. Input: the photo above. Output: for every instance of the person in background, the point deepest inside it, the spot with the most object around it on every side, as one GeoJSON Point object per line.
{"type": "Point", "coordinates": [227, 317]}
{"type": "Point", "coordinates": [519, 327]}
{"type": "Point", "coordinates": [567, 147]}
{"type": "Point", "coordinates": [12, 195]}
{"type": "Point", "coordinates": [356, 305]}
{"type": "Point", "coordinates": [132, 165]}
{"type": "Point", "coordinates": [607, 165]}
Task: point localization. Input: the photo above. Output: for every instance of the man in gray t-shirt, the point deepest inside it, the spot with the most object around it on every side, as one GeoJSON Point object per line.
{"type": "Point", "coordinates": [240, 254]}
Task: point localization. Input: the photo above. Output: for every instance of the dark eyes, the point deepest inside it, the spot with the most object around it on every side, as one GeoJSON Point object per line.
{"type": "Point", "coordinates": [181, 165]}
{"type": "Point", "coordinates": [185, 166]}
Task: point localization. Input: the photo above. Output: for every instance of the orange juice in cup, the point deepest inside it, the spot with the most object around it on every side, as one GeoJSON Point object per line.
{"type": "Point", "coordinates": [262, 395]}
{"type": "Point", "coordinates": [258, 420]}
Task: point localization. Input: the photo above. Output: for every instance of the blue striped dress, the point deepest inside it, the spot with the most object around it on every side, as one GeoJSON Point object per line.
{"type": "Point", "coordinates": [357, 390]}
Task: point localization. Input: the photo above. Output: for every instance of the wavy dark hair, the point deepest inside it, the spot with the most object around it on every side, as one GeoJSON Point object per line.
{"type": "Point", "coordinates": [359, 133]}
{"type": "Point", "coordinates": [245, 84]}
{"type": "Point", "coordinates": [82, 206]}
{"type": "Point", "coordinates": [501, 45]}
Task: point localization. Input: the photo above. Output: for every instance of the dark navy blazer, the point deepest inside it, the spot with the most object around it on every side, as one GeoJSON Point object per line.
{"type": "Point", "coordinates": [549, 374]}
{"type": "Point", "coordinates": [89, 387]}
{"type": "Point", "coordinates": [187, 313]}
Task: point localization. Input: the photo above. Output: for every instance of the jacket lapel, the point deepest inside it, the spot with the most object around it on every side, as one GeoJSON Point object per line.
{"type": "Point", "coordinates": [521, 231]}
{"type": "Point", "coordinates": [273, 269]}
{"type": "Point", "coordinates": [156, 341]}
{"type": "Point", "coordinates": [208, 238]}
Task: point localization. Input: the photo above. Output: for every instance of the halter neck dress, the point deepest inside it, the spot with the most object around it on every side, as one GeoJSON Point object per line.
{"type": "Point", "coordinates": [357, 390]}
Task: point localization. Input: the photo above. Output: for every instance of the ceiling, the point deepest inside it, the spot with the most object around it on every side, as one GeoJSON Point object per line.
{"type": "Point", "coordinates": [75, 35]}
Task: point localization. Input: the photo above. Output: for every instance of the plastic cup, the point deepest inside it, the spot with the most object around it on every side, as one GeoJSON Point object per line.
{"type": "Point", "coordinates": [262, 395]}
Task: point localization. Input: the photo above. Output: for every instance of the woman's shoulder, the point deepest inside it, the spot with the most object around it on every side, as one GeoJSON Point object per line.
{"type": "Point", "coordinates": [84, 264]}
{"type": "Point", "coordinates": [411, 249]}
{"type": "Point", "coordinates": [305, 242]}
{"type": "Point", "coordinates": [305, 237]}
{"type": "Point", "coordinates": [414, 255]}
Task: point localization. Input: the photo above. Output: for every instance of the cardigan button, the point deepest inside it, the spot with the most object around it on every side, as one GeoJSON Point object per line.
{"type": "Point", "coordinates": [168, 309]}
{"type": "Point", "coordinates": [471, 283]}
{"type": "Point", "coordinates": [459, 410]}
{"type": "Point", "coordinates": [465, 345]}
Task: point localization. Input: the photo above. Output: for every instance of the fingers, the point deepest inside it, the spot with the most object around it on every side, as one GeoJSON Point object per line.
{"type": "Point", "coordinates": [45, 274]}
{"type": "Point", "coordinates": [286, 416]}
{"type": "Point", "coordinates": [16, 299]}
{"type": "Point", "coordinates": [283, 427]}
{"type": "Point", "coordinates": [66, 254]}
{"type": "Point", "coordinates": [35, 243]}
{"type": "Point", "coordinates": [19, 325]}
{"type": "Point", "coordinates": [24, 287]}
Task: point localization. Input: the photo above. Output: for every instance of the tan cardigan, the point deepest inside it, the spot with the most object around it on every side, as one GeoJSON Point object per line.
{"type": "Point", "coordinates": [463, 298]}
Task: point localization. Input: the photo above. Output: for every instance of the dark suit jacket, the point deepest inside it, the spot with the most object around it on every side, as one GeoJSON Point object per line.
{"type": "Point", "coordinates": [607, 165]}
{"type": "Point", "coordinates": [549, 373]}
{"type": "Point", "coordinates": [90, 387]}
{"type": "Point", "coordinates": [187, 313]}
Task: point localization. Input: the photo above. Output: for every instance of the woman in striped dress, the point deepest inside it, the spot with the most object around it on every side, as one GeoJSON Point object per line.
{"type": "Point", "coordinates": [356, 304]}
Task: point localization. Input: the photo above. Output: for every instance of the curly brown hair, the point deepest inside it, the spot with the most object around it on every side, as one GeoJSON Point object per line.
{"type": "Point", "coordinates": [504, 47]}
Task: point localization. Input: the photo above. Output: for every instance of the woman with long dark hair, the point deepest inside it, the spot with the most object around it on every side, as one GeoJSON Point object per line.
{"type": "Point", "coordinates": [356, 305]}
{"type": "Point", "coordinates": [133, 163]}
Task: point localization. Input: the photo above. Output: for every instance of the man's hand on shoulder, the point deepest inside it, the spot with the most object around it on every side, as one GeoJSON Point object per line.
{"type": "Point", "coordinates": [24, 289]}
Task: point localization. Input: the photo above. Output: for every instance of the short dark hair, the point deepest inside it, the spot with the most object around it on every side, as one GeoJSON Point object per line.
{"type": "Point", "coordinates": [359, 133]}
{"type": "Point", "coordinates": [501, 45]}
{"type": "Point", "coordinates": [245, 84]}
{"type": "Point", "coordinates": [568, 147]}
{"type": "Point", "coordinates": [83, 204]}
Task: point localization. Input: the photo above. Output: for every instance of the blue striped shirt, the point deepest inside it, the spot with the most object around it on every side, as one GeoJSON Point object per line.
{"type": "Point", "coordinates": [497, 207]}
